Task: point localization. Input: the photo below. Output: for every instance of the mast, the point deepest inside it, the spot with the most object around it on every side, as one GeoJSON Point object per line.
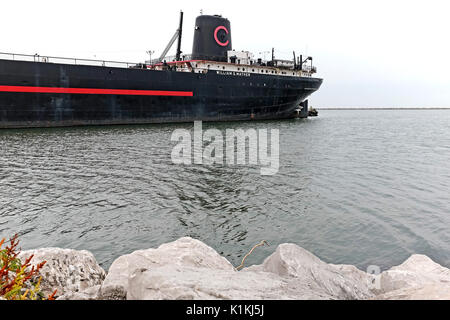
{"type": "Point", "coordinates": [180, 33]}
{"type": "Point", "coordinates": [295, 62]}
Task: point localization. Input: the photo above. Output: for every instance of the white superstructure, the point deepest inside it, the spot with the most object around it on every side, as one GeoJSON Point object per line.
{"type": "Point", "coordinates": [240, 63]}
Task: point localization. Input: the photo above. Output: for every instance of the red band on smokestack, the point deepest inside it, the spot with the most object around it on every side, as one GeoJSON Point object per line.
{"type": "Point", "coordinates": [223, 44]}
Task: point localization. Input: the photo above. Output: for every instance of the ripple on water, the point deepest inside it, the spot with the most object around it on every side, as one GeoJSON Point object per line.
{"type": "Point", "coordinates": [354, 187]}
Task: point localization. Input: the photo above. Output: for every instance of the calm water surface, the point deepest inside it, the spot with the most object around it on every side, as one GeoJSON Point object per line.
{"type": "Point", "coordinates": [354, 187]}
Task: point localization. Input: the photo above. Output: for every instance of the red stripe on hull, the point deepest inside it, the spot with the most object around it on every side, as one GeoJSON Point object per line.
{"type": "Point", "coordinates": [24, 89]}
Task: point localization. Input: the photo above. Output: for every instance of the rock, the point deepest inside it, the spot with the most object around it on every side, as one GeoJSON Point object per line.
{"type": "Point", "coordinates": [183, 252]}
{"type": "Point", "coordinates": [189, 283]}
{"type": "Point", "coordinates": [425, 292]}
{"type": "Point", "coordinates": [188, 269]}
{"type": "Point", "coordinates": [66, 270]}
{"type": "Point", "coordinates": [307, 270]}
{"type": "Point", "coordinates": [91, 293]}
{"type": "Point", "coordinates": [418, 271]}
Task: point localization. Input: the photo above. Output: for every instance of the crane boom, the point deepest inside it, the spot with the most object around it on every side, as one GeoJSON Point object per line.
{"type": "Point", "coordinates": [176, 36]}
{"type": "Point", "coordinates": [169, 45]}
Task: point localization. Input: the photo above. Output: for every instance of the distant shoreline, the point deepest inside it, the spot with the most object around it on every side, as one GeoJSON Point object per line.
{"type": "Point", "coordinates": [390, 108]}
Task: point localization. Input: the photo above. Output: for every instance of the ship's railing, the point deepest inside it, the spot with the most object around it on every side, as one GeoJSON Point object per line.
{"type": "Point", "coordinates": [187, 57]}
{"type": "Point", "coordinates": [184, 57]}
{"type": "Point", "coordinates": [76, 61]}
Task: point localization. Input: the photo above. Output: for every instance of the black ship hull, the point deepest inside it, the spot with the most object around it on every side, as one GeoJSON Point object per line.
{"type": "Point", "coordinates": [39, 94]}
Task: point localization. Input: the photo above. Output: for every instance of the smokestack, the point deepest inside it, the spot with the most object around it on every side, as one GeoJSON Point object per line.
{"type": "Point", "coordinates": [212, 38]}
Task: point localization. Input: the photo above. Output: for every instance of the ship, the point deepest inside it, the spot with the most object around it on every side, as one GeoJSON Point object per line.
{"type": "Point", "coordinates": [213, 83]}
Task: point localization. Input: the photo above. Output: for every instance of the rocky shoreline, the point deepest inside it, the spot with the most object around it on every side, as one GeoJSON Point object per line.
{"type": "Point", "coordinates": [189, 269]}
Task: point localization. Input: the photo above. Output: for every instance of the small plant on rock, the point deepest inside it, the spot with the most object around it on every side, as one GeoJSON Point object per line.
{"type": "Point", "coordinates": [16, 278]}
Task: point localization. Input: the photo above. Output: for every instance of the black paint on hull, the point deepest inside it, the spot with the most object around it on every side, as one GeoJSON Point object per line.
{"type": "Point", "coordinates": [216, 97]}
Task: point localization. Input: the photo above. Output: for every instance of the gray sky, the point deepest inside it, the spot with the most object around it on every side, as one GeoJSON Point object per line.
{"type": "Point", "coordinates": [370, 53]}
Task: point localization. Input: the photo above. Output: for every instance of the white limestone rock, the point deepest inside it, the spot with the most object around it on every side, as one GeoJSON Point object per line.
{"type": "Point", "coordinates": [308, 271]}
{"type": "Point", "coordinates": [185, 283]}
{"type": "Point", "coordinates": [425, 292]}
{"type": "Point", "coordinates": [66, 270]}
{"type": "Point", "coordinates": [419, 271]}
{"type": "Point", "coordinates": [183, 252]}
{"type": "Point", "coordinates": [91, 293]}
{"type": "Point", "coordinates": [189, 283]}
{"type": "Point", "coordinates": [188, 269]}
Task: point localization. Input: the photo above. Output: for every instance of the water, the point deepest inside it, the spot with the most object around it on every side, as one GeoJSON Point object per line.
{"type": "Point", "coordinates": [355, 187]}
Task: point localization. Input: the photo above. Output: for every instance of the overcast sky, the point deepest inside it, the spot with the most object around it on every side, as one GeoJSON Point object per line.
{"type": "Point", "coordinates": [370, 53]}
